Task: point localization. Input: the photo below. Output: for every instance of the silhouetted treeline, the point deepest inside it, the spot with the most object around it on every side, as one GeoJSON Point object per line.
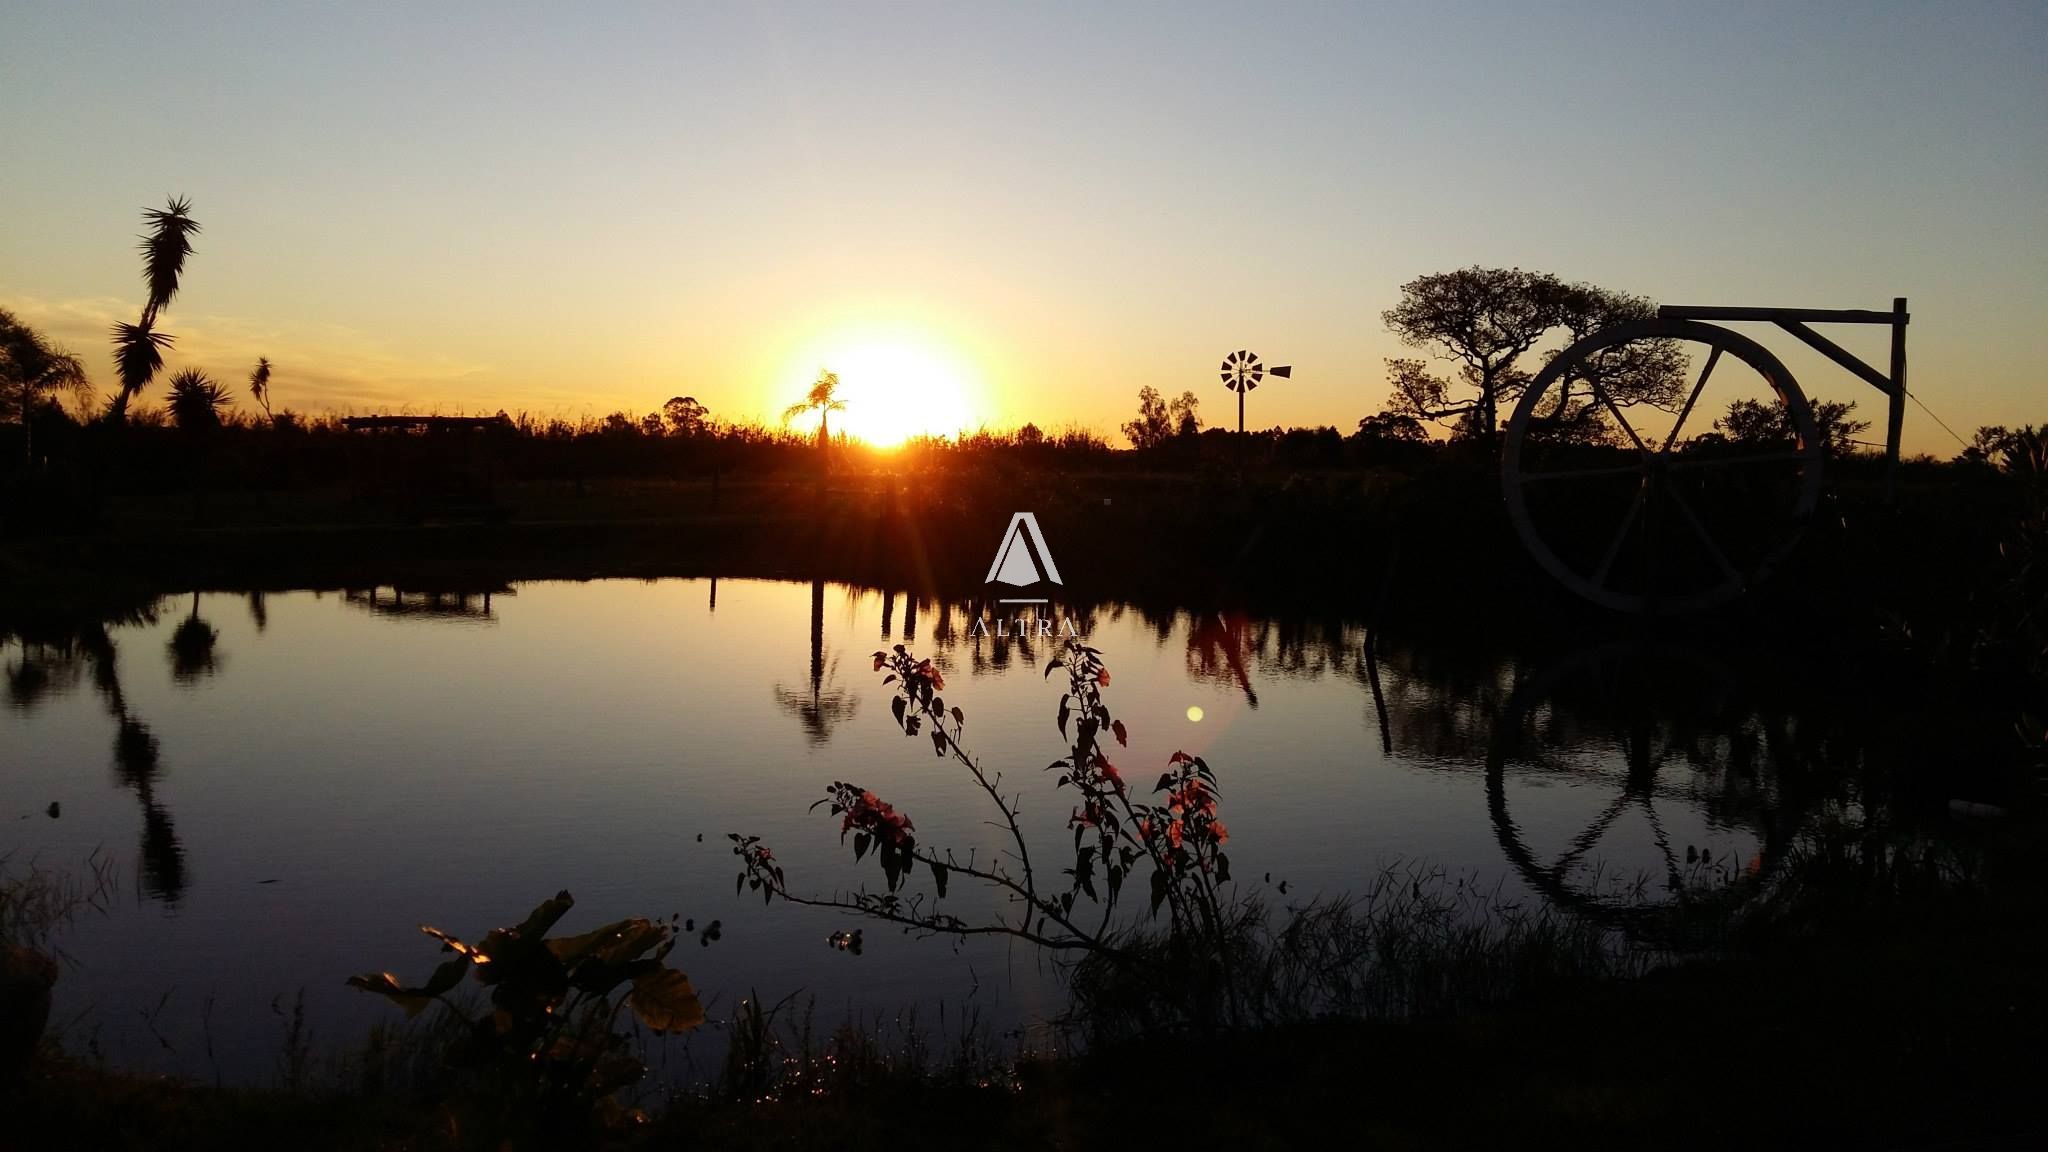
{"type": "Point", "coordinates": [294, 453]}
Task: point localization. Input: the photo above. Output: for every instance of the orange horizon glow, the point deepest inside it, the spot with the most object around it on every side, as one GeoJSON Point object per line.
{"type": "Point", "coordinates": [898, 381]}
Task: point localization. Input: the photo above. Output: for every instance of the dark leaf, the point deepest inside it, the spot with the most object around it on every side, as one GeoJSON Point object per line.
{"type": "Point", "coordinates": [664, 1001]}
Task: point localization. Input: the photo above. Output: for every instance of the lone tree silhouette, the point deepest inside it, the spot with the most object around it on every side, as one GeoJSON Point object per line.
{"type": "Point", "coordinates": [824, 397]}
{"type": "Point", "coordinates": [685, 416]}
{"type": "Point", "coordinates": [1154, 424]}
{"type": "Point", "coordinates": [1485, 320]}
{"type": "Point", "coordinates": [139, 347]}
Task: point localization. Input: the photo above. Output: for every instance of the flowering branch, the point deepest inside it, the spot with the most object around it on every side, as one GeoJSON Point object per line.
{"type": "Point", "coordinates": [1180, 834]}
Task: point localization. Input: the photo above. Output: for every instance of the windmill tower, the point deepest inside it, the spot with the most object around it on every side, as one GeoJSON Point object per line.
{"type": "Point", "coordinates": [1242, 373]}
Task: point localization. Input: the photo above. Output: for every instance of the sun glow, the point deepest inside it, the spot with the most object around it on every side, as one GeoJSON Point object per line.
{"type": "Point", "coordinates": [894, 388]}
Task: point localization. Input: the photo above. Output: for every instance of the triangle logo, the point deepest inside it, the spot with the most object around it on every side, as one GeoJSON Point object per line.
{"type": "Point", "coordinates": [1020, 556]}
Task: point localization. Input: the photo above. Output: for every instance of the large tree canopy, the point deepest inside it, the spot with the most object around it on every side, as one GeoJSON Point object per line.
{"type": "Point", "coordinates": [1485, 320]}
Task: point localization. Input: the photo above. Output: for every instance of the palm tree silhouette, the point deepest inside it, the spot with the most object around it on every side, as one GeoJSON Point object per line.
{"type": "Point", "coordinates": [259, 386]}
{"type": "Point", "coordinates": [138, 347]}
{"type": "Point", "coordinates": [820, 709]}
{"type": "Point", "coordinates": [824, 397]}
{"type": "Point", "coordinates": [197, 401]}
{"type": "Point", "coordinates": [32, 368]}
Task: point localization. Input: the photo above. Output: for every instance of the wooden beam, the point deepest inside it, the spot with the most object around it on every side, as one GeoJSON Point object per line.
{"type": "Point", "coordinates": [1775, 315]}
{"type": "Point", "coordinates": [1839, 355]}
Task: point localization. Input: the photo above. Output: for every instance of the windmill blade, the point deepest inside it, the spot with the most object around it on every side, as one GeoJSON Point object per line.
{"type": "Point", "coordinates": [1283, 371]}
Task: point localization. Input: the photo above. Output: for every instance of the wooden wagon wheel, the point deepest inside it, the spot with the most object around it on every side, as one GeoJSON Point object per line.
{"type": "Point", "coordinates": [1642, 726]}
{"type": "Point", "coordinates": [1660, 517]}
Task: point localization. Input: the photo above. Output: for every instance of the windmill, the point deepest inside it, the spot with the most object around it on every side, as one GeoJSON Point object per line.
{"type": "Point", "coordinates": [1242, 373]}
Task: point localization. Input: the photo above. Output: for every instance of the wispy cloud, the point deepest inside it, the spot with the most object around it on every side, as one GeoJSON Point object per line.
{"type": "Point", "coordinates": [317, 368]}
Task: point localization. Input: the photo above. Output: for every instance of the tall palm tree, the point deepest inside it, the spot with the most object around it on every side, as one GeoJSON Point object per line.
{"type": "Point", "coordinates": [138, 347]}
{"type": "Point", "coordinates": [31, 368]}
{"type": "Point", "coordinates": [824, 397]}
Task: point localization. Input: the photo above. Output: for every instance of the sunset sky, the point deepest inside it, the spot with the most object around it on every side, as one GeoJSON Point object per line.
{"type": "Point", "coordinates": [1023, 212]}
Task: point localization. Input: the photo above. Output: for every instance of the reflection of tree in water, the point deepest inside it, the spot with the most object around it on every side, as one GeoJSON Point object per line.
{"type": "Point", "coordinates": [52, 659]}
{"type": "Point", "coordinates": [820, 709]}
{"type": "Point", "coordinates": [192, 647]}
{"type": "Point", "coordinates": [456, 606]}
{"type": "Point", "coordinates": [1004, 636]}
{"type": "Point", "coordinates": [1440, 698]}
{"type": "Point", "coordinates": [1743, 754]}
{"type": "Point", "coordinates": [41, 671]}
{"type": "Point", "coordinates": [1221, 646]}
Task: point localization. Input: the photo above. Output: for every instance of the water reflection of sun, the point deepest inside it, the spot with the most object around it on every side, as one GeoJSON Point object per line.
{"type": "Point", "coordinates": [895, 388]}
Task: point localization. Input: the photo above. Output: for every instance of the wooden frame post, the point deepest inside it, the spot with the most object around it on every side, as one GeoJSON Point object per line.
{"type": "Point", "coordinates": [1897, 422]}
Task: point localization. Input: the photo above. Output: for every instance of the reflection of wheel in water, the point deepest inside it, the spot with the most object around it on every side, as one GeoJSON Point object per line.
{"type": "Point", "coordinates": [1655, 731]}
{"type": "Point", "coordinates": [1621, 489]}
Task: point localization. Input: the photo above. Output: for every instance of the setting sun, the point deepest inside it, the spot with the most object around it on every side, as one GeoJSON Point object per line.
{"type": "Point", "coordinates": [894, 388]}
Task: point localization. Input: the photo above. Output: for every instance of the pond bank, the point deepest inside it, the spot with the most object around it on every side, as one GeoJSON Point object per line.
{"type": "Point", "coordinates": [1903, 1040]}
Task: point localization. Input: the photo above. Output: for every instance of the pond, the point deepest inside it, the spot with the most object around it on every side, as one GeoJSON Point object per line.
{"type": "Point", "coordinates": [334, 769]}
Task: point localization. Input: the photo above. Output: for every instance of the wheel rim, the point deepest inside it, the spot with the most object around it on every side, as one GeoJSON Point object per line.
{"type": "Point", "coordinates": [1667, 516]}
{"type": "Point", "coordinates": [1653, 705]}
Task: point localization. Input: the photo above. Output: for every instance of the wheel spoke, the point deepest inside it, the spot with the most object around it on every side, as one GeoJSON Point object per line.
{"type": "Point", "coordinates": [1681, 462]}
{"type": "Point", "coordinates": [1584, 842]}
{"type": "Point", "coordinates": [1663, 842]}
{"type": "Point", "coordinates": [1618, 417]}
{"type": "Point", "coordinates": [1635, 509]}
{"type": "Point", "coordinates": [1579, 473]}
{"type": "Point", "coordinates": [1700, 530]}
{"type": "Point", "coordinates": [1713, 358]}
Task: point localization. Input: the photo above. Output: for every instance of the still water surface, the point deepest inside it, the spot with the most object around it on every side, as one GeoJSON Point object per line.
{"type": "Point", "coordinates": [340, 768]}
